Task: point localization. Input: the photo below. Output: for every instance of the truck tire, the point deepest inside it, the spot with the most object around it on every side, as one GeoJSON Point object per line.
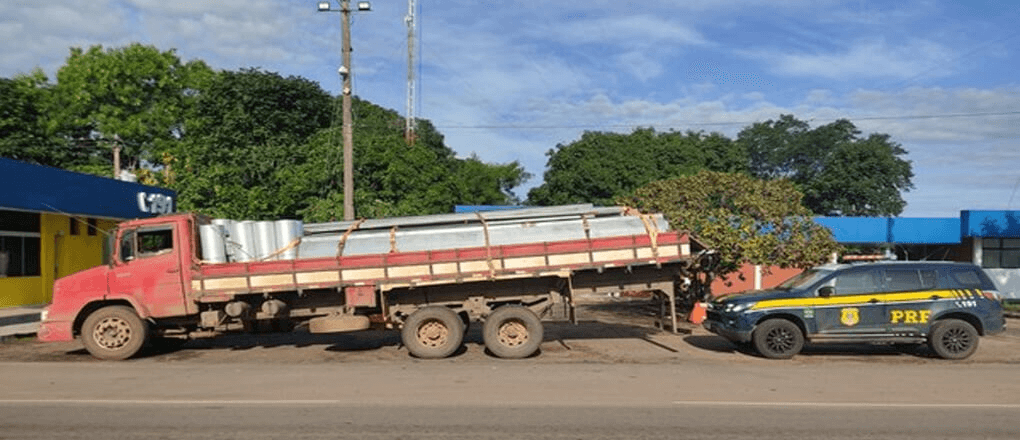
{"type": "Point", "coordinates": [433, 332]}
{"type": "Point", "coordinates": [778, 339]}
{"type": "Point", "coordinates": [114, 333]}
{"type": "Point", "coordinates": [512, 332]}
{"type": "Point", "coordinates": [953, 339]}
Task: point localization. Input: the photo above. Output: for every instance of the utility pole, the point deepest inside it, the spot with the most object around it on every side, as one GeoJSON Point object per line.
{"type": "Point", "coordinates": [409, 125]}
{"type": "Point", "coordinates": [116, 157]}
{"type": "Point", "coordinates": [345, 75]}
{"type": "Point", "coordinates": [348, 127]}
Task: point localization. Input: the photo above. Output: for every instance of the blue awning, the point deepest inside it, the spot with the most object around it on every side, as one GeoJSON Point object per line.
{"type": "Point", "coordinates": [904, 230]}
{"type": "Point", "coordinates": [991, 224]}
{"type": "Point", "coordinates": [38, 188]}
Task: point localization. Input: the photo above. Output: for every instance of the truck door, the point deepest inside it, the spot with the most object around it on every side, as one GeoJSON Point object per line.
{"type": "Point", "coordinates": [855, 306]}
{"type": "Point", "coordinates": [148, 268]}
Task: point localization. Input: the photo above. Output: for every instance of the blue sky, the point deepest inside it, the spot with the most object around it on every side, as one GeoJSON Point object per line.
{"type": "Point", "coordinates": [511, 80]}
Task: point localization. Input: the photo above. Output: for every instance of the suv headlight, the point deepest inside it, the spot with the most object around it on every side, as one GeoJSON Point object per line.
{"type": "Point", "coordinates": [737, 308]}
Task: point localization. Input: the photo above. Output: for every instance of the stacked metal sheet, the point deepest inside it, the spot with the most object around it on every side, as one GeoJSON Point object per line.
{"type": "Point", "coordinates": [230, 240]}
{"type": "Point", "coordinates": [227, 240]}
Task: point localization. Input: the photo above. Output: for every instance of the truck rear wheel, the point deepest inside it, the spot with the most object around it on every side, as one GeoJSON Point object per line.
{"type": "Point", "coordinates": [114, 333]}
{"type": "Point", "coordinates": [433, 332]}
{"type": "Point", "coordinates": [953, 339]}
{"type": "Point", "coordinates": [512, 332]}
{"type": "Point", "coordinates": [778, 339]}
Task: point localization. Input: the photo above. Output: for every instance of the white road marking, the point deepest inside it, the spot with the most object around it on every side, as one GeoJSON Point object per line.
{"type": "Point", "coordinates": [848, 404]}
{"type": "Point", "coordinates": [306, 402]}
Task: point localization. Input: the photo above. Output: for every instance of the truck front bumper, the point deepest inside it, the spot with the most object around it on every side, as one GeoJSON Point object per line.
{"type": "Point", "coordinates": [55, 331]}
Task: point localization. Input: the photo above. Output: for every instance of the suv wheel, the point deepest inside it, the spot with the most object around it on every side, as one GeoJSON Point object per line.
{"type": "Point", "coordinates": [953, 339]}
{"type": "Point", "coordinates": [778, 339]}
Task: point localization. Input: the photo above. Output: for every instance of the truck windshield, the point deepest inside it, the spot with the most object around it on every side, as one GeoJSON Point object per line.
{"type": "Point", "coordinates": [804, 279]}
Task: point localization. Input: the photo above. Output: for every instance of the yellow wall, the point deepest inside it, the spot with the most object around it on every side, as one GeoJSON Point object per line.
{"type": "Point", "coordinates": [62, 255]}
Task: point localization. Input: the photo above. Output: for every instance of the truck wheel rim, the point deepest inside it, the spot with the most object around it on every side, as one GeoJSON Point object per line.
{"type": "Point", "coordinates": [433, 333]}
{"type": "Point", "coordinates": [112, 333]}
{"type": "Point", "coordinates": [513, 333]}
{"type": "Point", "coordinates": [956, 340]}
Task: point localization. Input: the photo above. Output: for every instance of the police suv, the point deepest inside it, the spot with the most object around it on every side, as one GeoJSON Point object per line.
{"type": "Point", "coordinates": [948, 305]}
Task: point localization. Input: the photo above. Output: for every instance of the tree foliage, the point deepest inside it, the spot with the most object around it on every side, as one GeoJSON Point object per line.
{"type": "Point", "coordinates": [393, 178]}
{"type": "Point", "coordinates": [601, 166]}
{"type": "Point", "coordinates": [839, 171]}
{"type": "Point", "coordinates": [133, 95]}
{"type": "Point", "coordinates": [23, 123]}
{"type": "Point", "coordinates": [260, 146]}
{"type": "Point", "coordinates": [743, 218]}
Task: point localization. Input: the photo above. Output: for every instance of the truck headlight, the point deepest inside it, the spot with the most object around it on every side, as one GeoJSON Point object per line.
{"type": "Point", "coordinates": [45, 313]}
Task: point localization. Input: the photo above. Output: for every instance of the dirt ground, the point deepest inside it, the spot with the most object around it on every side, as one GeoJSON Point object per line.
{"type": "Point", "coordinates": [611, 330]}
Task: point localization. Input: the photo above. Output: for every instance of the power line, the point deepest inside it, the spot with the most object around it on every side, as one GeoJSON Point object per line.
{"type": "Point", "coordinates": [650, 124]}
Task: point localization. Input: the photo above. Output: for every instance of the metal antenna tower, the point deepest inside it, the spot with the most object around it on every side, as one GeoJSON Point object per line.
{"type": "Point", "coordinates": [409, 122]}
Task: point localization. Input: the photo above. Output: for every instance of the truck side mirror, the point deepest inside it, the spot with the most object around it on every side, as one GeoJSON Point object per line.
{"type": "Point", "coordinates": [826, 291]}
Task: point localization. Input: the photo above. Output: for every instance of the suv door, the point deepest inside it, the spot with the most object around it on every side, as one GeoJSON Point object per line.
{"type": "Point", "coordinates": [148, 269]}
{"type": "Point", "coordinates": [911, 293]}
{"type": "Point", "coordinates": [854, 306]}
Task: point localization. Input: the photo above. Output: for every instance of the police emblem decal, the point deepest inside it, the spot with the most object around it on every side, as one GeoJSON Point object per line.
{"type": "Point", "coordinates": [850, 316]}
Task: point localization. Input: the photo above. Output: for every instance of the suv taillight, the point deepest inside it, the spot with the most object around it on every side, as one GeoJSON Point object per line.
{"type": "Point", "coordinates": [992, 295]}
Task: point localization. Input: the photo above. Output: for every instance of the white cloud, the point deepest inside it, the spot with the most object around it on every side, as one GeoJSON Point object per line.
{"type": "Point", "coordinates": [625, 31]}
{"type": "Point", "coordinates": [865, 59]}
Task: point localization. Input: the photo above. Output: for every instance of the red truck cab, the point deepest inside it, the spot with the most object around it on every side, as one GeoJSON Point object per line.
{"type": "Point", "coordinates": [145, 270]}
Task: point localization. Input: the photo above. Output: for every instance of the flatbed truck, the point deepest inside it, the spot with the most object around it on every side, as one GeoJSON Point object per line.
{"type": "Point", "coordinates": [156, 287]}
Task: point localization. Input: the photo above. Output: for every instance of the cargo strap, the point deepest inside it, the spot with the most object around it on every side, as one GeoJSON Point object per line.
{"type": "Point", "coordinates": [488, 245]}
{"type": "Point", "coordinates": [343, 238]}
{"type": "Point", "coordinates": [393, 239]}
{"type": "Point", "coordinates": [279, 251]}
{"type": "Point", "coordinates": [650, 227]}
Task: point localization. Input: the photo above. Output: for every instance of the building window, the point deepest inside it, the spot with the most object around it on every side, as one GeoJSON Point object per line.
{"type": "Point", "coordinates": [20, 255]}
{"type": "Point", "coordinates": [75, 230]}
{"type": "Point", "coordinates": [19, 244]}
{"type": "Point", "coordinates": [92, 226]}
{"type": "Point", "coordinates": [1000, 253]}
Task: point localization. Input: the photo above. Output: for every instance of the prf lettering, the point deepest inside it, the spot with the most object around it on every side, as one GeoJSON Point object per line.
{"type": "Point", "coordinates": [909, 316]}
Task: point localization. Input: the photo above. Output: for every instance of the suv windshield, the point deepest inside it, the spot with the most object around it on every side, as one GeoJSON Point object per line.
{"type": "Point", "coordinates": [804, 279]}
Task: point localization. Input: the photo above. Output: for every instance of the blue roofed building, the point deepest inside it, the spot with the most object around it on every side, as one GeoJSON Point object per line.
{"type": "Point", "coordinates": [53, 223]}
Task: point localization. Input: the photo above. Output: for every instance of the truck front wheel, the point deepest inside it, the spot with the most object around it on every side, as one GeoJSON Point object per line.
{"type": "Point", "coordinates": [433, 332]}
{"type": "Point", "coordinates": [114, 333]}
{"type": "Point", "coordinates": [512, 332]}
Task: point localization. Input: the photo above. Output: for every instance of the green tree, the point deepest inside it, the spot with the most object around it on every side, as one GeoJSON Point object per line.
{"type": "Point", "coordinates": [745, 219]}
{"type": "Point", "coordinates": [133, 95]}
{"type": "Point", "coordinates": [244, 153]}
{"type": "Point", "coordinates": [392, 178]}
{"type": "Point", "coordinates": [23, 123]}
{"type": "Point", "coordinates": [600, 167]}
{"type": "Point", "coordinates": [261, 146]}
{"type": "Point", "coordinates": [838, 170]}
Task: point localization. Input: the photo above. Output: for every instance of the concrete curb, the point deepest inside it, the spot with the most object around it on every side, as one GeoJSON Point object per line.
{"type": "Point", "coordinates": [16, 321]}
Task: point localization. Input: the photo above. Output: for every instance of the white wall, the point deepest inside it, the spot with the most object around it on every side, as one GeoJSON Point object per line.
{"type": "Point", "coordinates": [1008, 281]}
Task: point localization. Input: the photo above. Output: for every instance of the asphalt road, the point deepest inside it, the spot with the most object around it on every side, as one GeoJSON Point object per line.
{"type": "Point", "coordinates": [318, 421]}
{"type": "Point", "coordinates": [449, 399]}
{"type": "Point", "coordinates": [611, 377]}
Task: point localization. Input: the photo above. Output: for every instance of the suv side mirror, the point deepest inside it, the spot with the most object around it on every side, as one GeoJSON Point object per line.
{"type": "Point", "coordinates": [826, 291]}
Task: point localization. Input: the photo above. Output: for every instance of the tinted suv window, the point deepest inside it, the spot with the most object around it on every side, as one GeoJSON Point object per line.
{"type": "Point", "coordinates": [928, 278]}
{"type": "Point", "coordinates": [858, 281]}
{"type": "Point", "coordinates": [966, 278]}
{"type": "Point", "coordinates": [899, 280]}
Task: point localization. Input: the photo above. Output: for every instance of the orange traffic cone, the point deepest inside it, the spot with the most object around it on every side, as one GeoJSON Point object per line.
{"type": "Point", "coordinates": [697, 313]}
